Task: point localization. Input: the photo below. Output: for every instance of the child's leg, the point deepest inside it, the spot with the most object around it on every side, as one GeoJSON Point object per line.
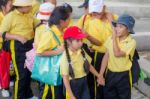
{"type": "Point", "coordinates": [117, 85]}
{"type": "Point", "coordinates": [85, 91]}
{"type": "Point", "coordinates": [18, 58]}
{"type": "Point", "coordinates": [77, 87]}
{"type": "Point", "coordinates": [109, 88]}
{"type": "Point", "coordinates": [45, 91]}
{"type": "Point", "coordinates": [99, 89]}
{"type": "Point", "coordinates": [57, 92]}
{"type": "Point", "coordinates": [123, 86]}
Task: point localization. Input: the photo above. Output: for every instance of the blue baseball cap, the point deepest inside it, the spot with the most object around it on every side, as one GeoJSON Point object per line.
{"type": "Point", "coordinates": [126, 20]}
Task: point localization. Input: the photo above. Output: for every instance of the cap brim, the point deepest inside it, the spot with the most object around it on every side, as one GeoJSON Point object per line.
{"type": "Point", "coordinates": [114, 23]}
{"type": "Point", "coordinates": [22, 5]}
{"type": "Point", "coordinates": [42, 17]}
{"type": "Point", "coordinates": [132, 31]}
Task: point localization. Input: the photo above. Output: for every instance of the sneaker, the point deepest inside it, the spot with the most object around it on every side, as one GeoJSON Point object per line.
{"type": "Point", "coordinates": [34, 97]}
{"type": "Point", "coordinates": [11, 84]}
{"type": "Point", "coordinates": [5, 93]}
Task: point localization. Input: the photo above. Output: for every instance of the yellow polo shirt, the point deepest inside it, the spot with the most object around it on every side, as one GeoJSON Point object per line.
{"type": "Point", "coordinates": [120, 64]}
{"type": "Point", "coordinates": [39, 32]}
{"type": "Point", "coordinates": [101, 31]}
{"type": "Point", "coordinates": [47, 41]}
{"type": "Point", "coordinates": [86, 22]}
{"type": "Point", "coordinates": [85, 19]}
{"type": "Point", "coordinates": [35, 7]}
{"type": "Point", "coordinates": [19, 24]}
{"type": "Point", "coordinates": [77, 63]}
{"type": "Point", "coordinates": [1, 18]}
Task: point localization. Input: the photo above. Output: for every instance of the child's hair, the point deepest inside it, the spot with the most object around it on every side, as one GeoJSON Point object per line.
{"type": "Point", "coordinates": [58, 14]}
{"type": "Point", "coordinates": [3, 3]}
{"type": "Point", "coordinates": [86, 63]}
{"type": "Point", "coordinates": [68, 7]}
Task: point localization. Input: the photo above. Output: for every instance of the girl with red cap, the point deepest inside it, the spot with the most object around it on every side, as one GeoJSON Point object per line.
{"type": "Point", "coordinates": [75, 65]}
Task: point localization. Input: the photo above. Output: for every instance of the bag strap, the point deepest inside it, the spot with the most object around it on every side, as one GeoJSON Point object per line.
{"type": "Point", "coordinates": [84, 21]}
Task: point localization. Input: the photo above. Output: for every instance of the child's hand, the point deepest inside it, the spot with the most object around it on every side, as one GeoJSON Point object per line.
{"type": "Point", "coordinates": [114, 35]}
{"type": "Point", "coordinates": [101, 80]}
{"type": "Point", "coordinates": [60, 49]}
{"type": "Point", "coordinates": [72, 97]}
{"type": "Point", "coordinates": [21, 39]}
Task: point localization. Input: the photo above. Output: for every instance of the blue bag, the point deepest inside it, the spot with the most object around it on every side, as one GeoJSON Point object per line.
{"type": "Point", "coordinates": [46, 69]}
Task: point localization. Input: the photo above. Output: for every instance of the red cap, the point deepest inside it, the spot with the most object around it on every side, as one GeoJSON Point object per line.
{"type": "Point", "coordinates": [74, 32]}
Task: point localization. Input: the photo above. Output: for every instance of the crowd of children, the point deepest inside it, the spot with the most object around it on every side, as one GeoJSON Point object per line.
{"type": "Point", "coordinates": [96, 52]}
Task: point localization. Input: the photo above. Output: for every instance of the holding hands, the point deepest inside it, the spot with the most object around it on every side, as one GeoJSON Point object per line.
{"type": "Point", "coordinates": [101, 80]}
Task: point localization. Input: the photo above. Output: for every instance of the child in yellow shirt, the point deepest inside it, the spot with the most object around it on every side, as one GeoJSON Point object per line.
{"type": "Point", "coordinates": [75, 65]}
{"type": "Point", "coordinates": [120, 47]}
{"type": "Point", "coordinates": [18, 29]}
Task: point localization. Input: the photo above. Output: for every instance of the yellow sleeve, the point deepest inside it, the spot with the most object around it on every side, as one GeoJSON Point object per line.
{"type": "Point", "coordinates": [6, 24]}
{"type": "Point", "coordinates": [47, 42]}
{"type": "Point", "coordinates": [35, 22]}
{"type": "Point", "coordinates": [35, 7]}
{"type": "Point", "coordinates": [129, 48]}
{"type": "Point", "coordinates": [64, 69]}
{"type": "Point", "coordinates": [1, 17]}
{"type": "Point", "coordinates": [106, 44]}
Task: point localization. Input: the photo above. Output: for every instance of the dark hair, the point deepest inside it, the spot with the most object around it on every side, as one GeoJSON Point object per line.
{"type": "Point", "coordinates": [68, 7]}
{"type": "Point", "coordinates": [3, 3]}
{"type": "Point", "coordinates": [58, 14]}
{"type": "Point", "coordinates": [86, 63]}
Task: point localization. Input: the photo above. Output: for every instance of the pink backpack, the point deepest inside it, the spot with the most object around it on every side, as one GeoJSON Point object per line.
{"type": "Point", "coordinates": [29, 62]}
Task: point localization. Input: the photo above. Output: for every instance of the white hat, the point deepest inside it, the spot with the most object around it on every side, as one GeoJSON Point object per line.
{"type": "Point", "coordinates": [96, 6]}
{"type": "Point", "coordinates": [23, 3]}
{"type": "Point", "coordinates": [45, 11]}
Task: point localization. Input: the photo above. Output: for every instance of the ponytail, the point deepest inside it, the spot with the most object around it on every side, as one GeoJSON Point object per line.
{"type": "Point", "coordinates": [86, 63]}
{"type": "Point", "coordinates": [71, 72]}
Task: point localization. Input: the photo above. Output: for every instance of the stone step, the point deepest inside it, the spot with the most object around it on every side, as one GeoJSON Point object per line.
{"type": "Point", "coordinates": [133, 1]}
{"type": "Point", "coordinates": [135, 9]}
{"type": "Point", "coordinates": [141, 85]}
{"type": "Point", "coordinates": [142, 40]}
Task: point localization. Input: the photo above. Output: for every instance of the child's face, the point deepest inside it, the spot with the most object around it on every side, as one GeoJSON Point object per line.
{"type": "Point", "coordinates": [75, 44]}
{"type": "Point", "coordinates": [26, 9]}
{"type": "Point", "coordinates": [121, 30]}
{"type": "Point", "coordinates": [8, 6]}
{"type": "Point", "coordinates": [64, 24]}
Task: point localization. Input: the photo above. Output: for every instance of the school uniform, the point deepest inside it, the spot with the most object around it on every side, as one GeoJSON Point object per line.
{"type": "Point", "coordinates": [117, 80]}
{"type": "Point", "coordinates": [79, 84]}
{"type": "Point", "coordinates": [48, 42]}
{"type": "Point", "coordinates": [1, 18]}
{"type": "Point", "coordinates": [20, 24]}
{"type": "Point", "coordinates": [101, 31]}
